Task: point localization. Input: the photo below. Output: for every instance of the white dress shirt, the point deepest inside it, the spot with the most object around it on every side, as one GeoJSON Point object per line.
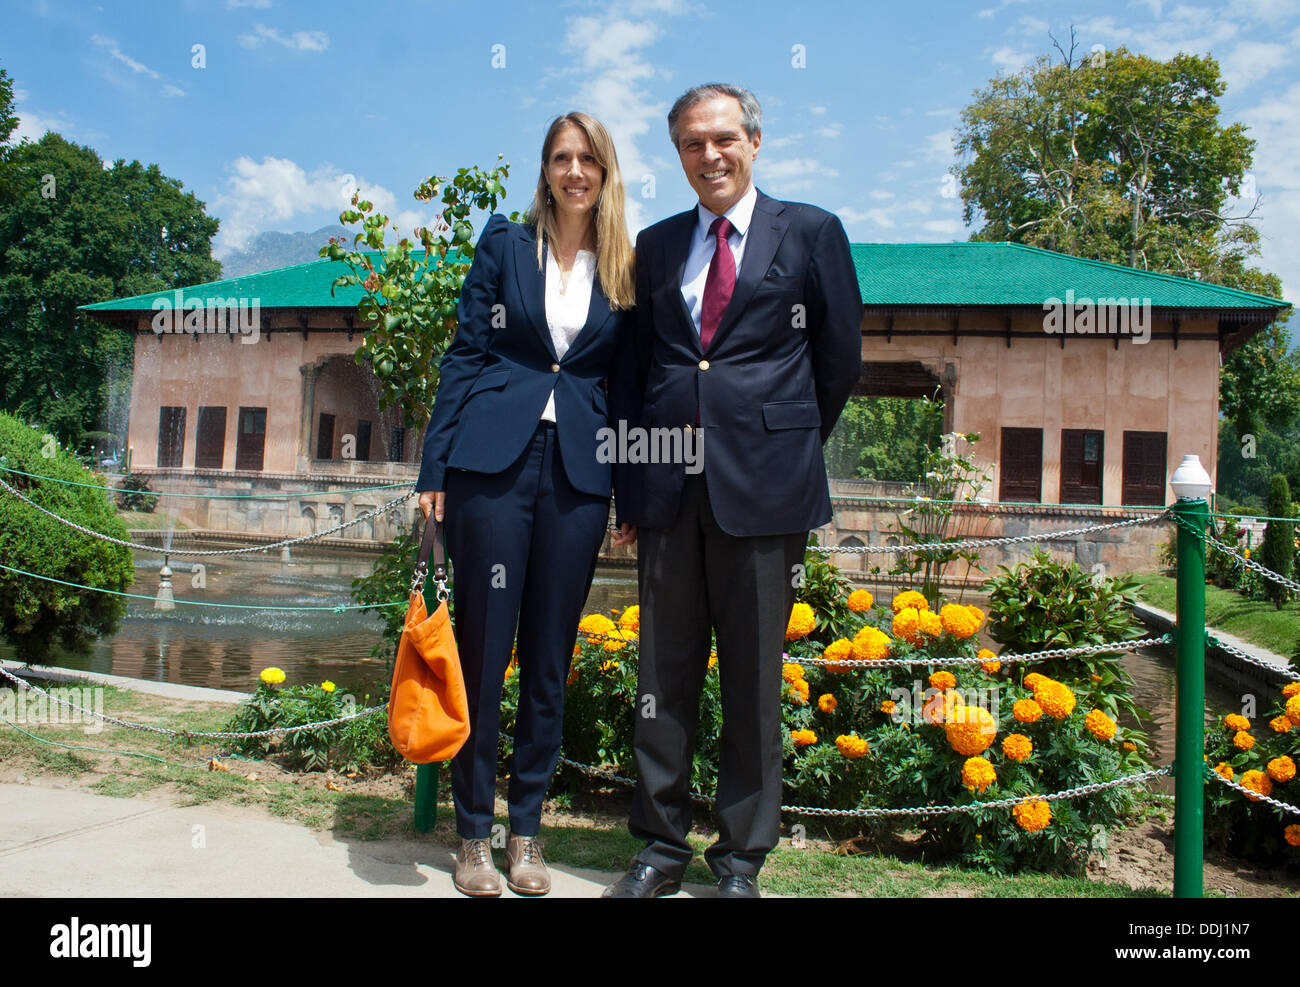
{"type": "Point", "coordinates": [703, 246]}
{"type": "Point", "coordinates": [566, 311]}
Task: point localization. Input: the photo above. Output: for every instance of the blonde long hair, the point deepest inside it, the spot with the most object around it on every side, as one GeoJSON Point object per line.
{"type": "Point", "coordinates": [614, 255]}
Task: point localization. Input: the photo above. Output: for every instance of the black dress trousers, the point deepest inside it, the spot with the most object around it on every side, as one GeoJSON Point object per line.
{"type": "Point", "coordinates": [523, 545]}
{"type": "Point", "coordinates": [694, 576]}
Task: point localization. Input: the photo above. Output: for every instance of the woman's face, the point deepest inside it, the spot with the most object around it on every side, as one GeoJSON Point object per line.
{"type": "Point", "coordinates": [572, 172]}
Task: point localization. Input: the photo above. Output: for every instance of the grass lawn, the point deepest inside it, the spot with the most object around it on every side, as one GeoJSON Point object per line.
{"type": "Point", "coordinates": [594, 835]}
{"type": "Point", "coordinates": [1256, 621]}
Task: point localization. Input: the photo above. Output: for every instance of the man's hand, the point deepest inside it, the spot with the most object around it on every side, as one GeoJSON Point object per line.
{"type": "Point", "coordinates": [625, 535]}
{"type": "Point", "coordinates": [432, 499]}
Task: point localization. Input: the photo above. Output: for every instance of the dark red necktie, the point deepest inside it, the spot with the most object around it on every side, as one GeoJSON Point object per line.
{"type": "Point", "coordinates": [720, 283]}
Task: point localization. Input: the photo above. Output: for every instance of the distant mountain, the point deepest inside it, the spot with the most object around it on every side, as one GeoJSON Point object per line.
{"type": "Point", "coordinates": [267, 251]}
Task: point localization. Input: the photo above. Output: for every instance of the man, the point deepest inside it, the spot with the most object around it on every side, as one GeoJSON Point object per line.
{"type": "Point", "coordinates": [747, 340]}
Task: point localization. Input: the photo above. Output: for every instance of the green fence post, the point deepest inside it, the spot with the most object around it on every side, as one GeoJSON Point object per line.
{"type": "Point", "coordinates": [426, 796]}
{"type": "Point", "coordinates": [1191, 484]}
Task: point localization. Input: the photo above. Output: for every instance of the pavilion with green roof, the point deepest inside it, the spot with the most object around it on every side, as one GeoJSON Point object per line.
{"type": "Point", "coordinates": [1085, 381]}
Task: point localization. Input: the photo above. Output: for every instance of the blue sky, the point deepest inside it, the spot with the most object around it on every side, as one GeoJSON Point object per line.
{"type": "Point", "coordinates": [300, 102]}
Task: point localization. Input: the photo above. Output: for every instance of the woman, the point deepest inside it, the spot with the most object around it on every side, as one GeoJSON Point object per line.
{"type": "Point", "coordinates": [510, 463]}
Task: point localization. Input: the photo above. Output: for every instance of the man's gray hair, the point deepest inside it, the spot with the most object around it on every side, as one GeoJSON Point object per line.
{"type": "Point", "coordinates": [751, 113]}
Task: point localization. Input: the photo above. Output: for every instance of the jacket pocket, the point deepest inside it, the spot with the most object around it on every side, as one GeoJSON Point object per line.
{"type": "Point", "coordinates": [495, 378]}
{"type": "Point", "coordinates": [791, 414]}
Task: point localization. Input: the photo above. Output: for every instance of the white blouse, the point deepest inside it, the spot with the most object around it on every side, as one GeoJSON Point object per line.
{"type": "Point", "coordinates": [566, 312]}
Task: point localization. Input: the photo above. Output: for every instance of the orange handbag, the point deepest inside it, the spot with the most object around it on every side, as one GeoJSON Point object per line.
{"type": "Point", "coordinates": [428, 713]}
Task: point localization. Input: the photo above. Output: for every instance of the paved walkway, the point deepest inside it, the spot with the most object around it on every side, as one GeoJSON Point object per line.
{"type": "Point", "coordinates": [60, 842]}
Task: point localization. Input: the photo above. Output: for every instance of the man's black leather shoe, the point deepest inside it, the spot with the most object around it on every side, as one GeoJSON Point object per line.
{"type": "Point", "coordinates": [642, 881]}
{"type": "Point", "coordinates": [738, 886]}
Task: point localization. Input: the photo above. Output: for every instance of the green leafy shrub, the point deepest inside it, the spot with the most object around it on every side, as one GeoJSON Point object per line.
{"type": "Point", "coordinates": [1278, 549]}
{"type": "Point", "coordinates": [1045, 604]}
{"type": "Point", "coordinates": [846, 747]}
{"type": "Point", "coordinates": [34, 614]}
{"type": "Point", "coordinates": [1261, 756]}
{"type": "Point", "coordinates": [140, 497]}
{"type": "Point", "coordinates": [344, 747]}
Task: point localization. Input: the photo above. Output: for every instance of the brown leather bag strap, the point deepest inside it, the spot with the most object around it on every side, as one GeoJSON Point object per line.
{"type": "Point", "coordinates": [432, 541]}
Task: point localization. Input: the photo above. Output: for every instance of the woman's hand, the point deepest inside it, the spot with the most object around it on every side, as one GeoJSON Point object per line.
{"type": "Point", "coordinates": [434, 499]}
{"type": "Point", "coordinates": [625, 535]}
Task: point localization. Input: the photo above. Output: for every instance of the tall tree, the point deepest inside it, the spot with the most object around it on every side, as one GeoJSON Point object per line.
{"type": "Point", "coordinates": [77, 231]}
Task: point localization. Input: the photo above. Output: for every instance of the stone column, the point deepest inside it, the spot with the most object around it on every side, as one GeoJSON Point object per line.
{"type": "Point", "coordinates": [310, 372]}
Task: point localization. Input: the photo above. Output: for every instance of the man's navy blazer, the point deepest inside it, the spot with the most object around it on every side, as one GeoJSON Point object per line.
{"type": "Point", "coordinates": [501, 366]}
{"type": "Point", "coordinates": [769, 389]}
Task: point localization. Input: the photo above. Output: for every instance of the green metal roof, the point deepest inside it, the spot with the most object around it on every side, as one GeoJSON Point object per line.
{"type": "Point", "coordinates": [976, 273]}
{"type": "Point", "coordinates": [297, 286]}
{"type": "Point", "coordinates": [966, 273]}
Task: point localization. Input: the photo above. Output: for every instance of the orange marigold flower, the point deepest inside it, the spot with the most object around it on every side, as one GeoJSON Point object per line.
{"type": "Point", "coordinates": [910, 598]}
{"type": "Point", "coordinates": [1099, 725]}
{"type": "Point", "coordinates": [1056, 698]}
{"type": "Point", "coordinates": [1032, 680]}
{"type": "Point", "coordinates": [791, 672]}
{"type": "Point", "coordinates": [1290, 689]}
{"type": "Point", "coordinates": [1017, 747]}
{"type": "Point", "coordinates": [573, 675]}
{"type": "Point", "coordinates": [803, 738]}
{"type": "Point", "coordinates": [1224, 770]}
{"type": "Point", "coordinates": [619, 638]}
{"type": "Point", "coordinates": [799, 692]}
{"type": "Point", "coordinates": [851, 746]}
{"type": "Point", "coordinates": [871, 644]}
{"type": "Point", "coordinates": [1281, 769]}
{"type": "Point", "coordinates": [840, 649]}
{"type": "Point", "coordinates": [631, 619]}
{"type": "Point", "coordinates": [957, 620]}
{"type": "Point", "coordinates": [977, 774]}
{"type": "Point", "coordinates": [970, 730]}
{"type": "Point", "coordinates": [827, 703]}
{"type": "Point", "coordinates": [802, 621]}
{"type": "Point", "coordinates": [596, 624]}
{"type": "Point", "coordinates": [988, 661]}
{"type": "Point", "coordinates": [1292, 834]}
{"type": "Point", "coordinates": [1235, 722]}
{"type": "Point", "coordinates": [941, 707]}
{"type": "Point", "coordinates": [929, 624]}
{"type": "Point", "coordinates": [1243, 741]}
{"type": "Point", "coordinates": [943, 680]}
{"type": "Point", "coordinates": [1293, 709]}
{"type": "Point", "coordinates": [1280, 724]}
{"type": "Point", "coordinates": [713, 658]}
{"type": "Point", "coordinates": [907, 625]}
{"type": "Point", "coordinates": [888, 707]}
{"type": "Point", "coordinates": [1032, 816]}
{"type": "Point", "coordinates": [1257, 781]}
{"type": "Point", "coordinates": [860, 601]}
{"type": "Point", "coordinates": [1095, 677]}
{"type": "Point", "coordinates": [1130, 746]}
{"type": "Point", "coordinates": [1026, 711]}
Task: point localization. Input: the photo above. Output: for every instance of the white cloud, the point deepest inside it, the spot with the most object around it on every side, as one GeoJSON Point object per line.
{"type": "Point", "coordinates": [791, 174]}
{"type": "Point", "coordinates": [263, 195]}
{"type": "Point", "coordinates": [833, 129]}
{"type": "Point", "coordinates": [298, 41]}
{"type": "Point", "coordinates": [939, 147]}
{"type": "Point", "coordinates": [108, 44]}
{"type": "Point", "coordinates": [612, 83]}
{"type": "Point", "coordinates": [1009, 59]}
{"type": "Point", "coordinates": [817, 110]}
{"type": "Point", "coordinates": [1250, 61]}
{"type": "Point", "coordinates": [990, 12]}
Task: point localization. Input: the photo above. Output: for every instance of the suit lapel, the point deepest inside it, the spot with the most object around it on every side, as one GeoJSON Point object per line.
{"type": "Point", "coordinates": [677, 245]}
{"type": "Point", "coordinates": [532, 286]}
{"type": "Point", "coordinates": [598, 313]}
{"type": "Point", "coordinates": [766, 229]}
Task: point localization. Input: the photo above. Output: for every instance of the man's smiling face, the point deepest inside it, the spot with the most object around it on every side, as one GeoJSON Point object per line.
{"type": "Point", "coordinates": [717, 155]}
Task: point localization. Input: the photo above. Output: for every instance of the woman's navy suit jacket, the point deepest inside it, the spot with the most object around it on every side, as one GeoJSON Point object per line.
{"type": "Point", "coordinates": [501, 366]}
